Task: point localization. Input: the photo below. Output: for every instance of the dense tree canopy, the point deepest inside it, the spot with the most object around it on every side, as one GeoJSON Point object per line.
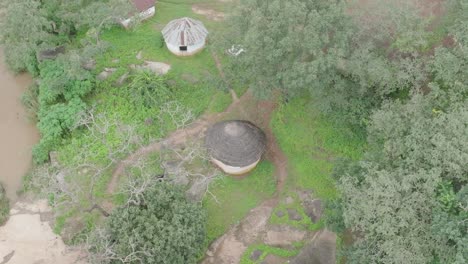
{"type": "Point", "coordinates": [406, 200]}
{"type": "Point", "coordinates": [326, 48]}
{"type": "Point", "coordinates": [24, 28]}
{"type": "Point", "coordinates": [164, 228]}
{"type": "Point", "coordinates": [30, 26]}
{"type": "Point", "coordinates": [390, 198]}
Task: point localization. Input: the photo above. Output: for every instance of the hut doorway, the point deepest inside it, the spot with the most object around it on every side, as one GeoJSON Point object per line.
{"type": "Point", "coordinates": [183, 48]}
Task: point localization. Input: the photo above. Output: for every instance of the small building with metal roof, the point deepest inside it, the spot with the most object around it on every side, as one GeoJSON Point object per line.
{"type": "Point", "coordinates": [144, 8]}
{"type": "Point", "coordinates": [185, 36]}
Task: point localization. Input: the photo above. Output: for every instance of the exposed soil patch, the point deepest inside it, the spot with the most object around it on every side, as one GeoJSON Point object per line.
{"type": "Point", "coordinates": [283, 236]}
{"type": "Point", "coordinates": [209, 13]}
{"type": "Point", "coordinates": [228, 249]}
{"type": "Point", "coordinates": [321, 250]}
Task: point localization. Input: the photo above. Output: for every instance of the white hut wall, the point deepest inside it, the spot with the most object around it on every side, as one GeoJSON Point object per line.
{"type": "Point", "coordinates": [234, 170]}
{"type": "Point", "coordinates": [191, 50]}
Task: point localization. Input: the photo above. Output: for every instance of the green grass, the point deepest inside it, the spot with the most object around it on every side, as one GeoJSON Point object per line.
{"type": "Point", "coordinates": [266, 250]}
{"type": "Point", "coordinates": [236, 197]}
{"type": "Point", "coordinates": [194, 82]}
{"type": "Point", "coordinates": [311, 144]}
{"type": "Point", "coordinates": [196, 77]}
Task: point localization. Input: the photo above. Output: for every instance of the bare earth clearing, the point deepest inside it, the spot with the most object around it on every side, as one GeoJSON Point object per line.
{"type": "Point", "coordinates": [209, 13]}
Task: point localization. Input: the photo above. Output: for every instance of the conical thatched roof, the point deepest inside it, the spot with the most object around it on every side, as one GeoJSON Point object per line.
{"type": "Point", "coordinates": [184, 32]}
{"type": "Point", "coordinates": [235, 143]}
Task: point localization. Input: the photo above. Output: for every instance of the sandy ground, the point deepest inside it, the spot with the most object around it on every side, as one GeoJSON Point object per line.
{"type": "Point", "coordinates": [27, 238]}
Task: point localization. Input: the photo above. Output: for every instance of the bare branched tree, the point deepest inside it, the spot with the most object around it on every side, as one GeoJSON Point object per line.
{"type": "Point", "coordinates": [74, 185]}
{"type": "Point", "coordinates": [102, 249]}
{"type": "Point", "coordinates": [187, 165]}
{"type": "Point", "coordinates": [140, 179]}
{"type": "Point", "coordinates": [179, 115]}
{"type": "Point", "coordinates": [180, 169]}
{"type": "Point", "coordinates": [51, 182]}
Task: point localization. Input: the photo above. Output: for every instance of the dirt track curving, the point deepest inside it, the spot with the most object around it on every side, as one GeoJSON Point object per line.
{"type": "Point", "coordinates": [230, 247]}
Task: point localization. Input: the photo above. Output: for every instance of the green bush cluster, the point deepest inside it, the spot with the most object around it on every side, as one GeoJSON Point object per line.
{"type": "Point", "coordinates": [60, 100]}
{"type": "Point", "coordinates": [4, 206]}
{"type": "Point", "coordinates": [164, 228]}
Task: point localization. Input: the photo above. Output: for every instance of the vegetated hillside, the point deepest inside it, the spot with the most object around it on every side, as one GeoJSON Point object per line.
{"type": "Point", "coordinates": [336, 78]}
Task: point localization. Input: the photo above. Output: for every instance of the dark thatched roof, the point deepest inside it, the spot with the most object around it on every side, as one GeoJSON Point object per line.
{"type": "Point", "coordinates": [236, 143]}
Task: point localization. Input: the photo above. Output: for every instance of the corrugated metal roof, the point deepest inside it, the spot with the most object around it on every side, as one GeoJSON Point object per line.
{"type": "Point", "coordinates": [184, 32]}
{"type": "Point", "coordinates": [143, 5]}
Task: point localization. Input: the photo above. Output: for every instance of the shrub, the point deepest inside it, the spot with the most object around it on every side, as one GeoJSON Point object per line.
{"type": "Point", "coordinates": [4, 206]}
{"type": "Point", "coordinates": [149, 89]}
{"type": "Point", "coordinates": [59, 101]}
{"type": "Point", "coordinates": [164, 228]}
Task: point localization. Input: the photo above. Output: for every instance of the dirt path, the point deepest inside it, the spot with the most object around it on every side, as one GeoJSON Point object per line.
{"type": "Point", "coordinates": [274, 152]}
{"type": "Point", "coordinates": [230, 247]}
{"type": "Point", "coordinates": [176, 138]}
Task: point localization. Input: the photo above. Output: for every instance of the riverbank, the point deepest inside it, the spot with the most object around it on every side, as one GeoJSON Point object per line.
{"type": "Point", "coordinates": [17, 133]}
{"type": "Point", "coordinates": [27, 237]}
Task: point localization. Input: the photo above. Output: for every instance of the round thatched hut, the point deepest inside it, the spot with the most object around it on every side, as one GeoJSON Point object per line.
{"type": "Point", "coordinates": [235, 146]}
{"type": "Point", "coordinates": [185, 36]}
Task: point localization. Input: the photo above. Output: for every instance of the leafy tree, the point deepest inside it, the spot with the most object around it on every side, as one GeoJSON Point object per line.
{"type": "Point", "coordinates": [56, 121]}
{"type": "Point", "coordinates": [284, 39]}
{"type": "Point", "coordinates": [24, 28]}
{"type": "Point", "coordinates": [450, 225]}
{"type": "Point", "coordinates": [322, 47]}
{"type": "Point", "coordinates": [29, 26]}
{"type": "Point", "coordinates": [163, 228]}
{"type": "Point", "coordinates": [64, 84]}
{"type": "Point", "coordinates": [149, 89]}
{"type": "Point", "coordinates": [99, 15]}
{"type": "Point", "coordinates": [63, 77]}
{"type": "Point", "coordinates": [389, 200]}
{"type": "Point", "coordinates": [406, 200]}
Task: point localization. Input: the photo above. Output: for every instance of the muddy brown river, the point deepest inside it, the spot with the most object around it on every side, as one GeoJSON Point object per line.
{"type": "Point", "coordinates": [17, 133]}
